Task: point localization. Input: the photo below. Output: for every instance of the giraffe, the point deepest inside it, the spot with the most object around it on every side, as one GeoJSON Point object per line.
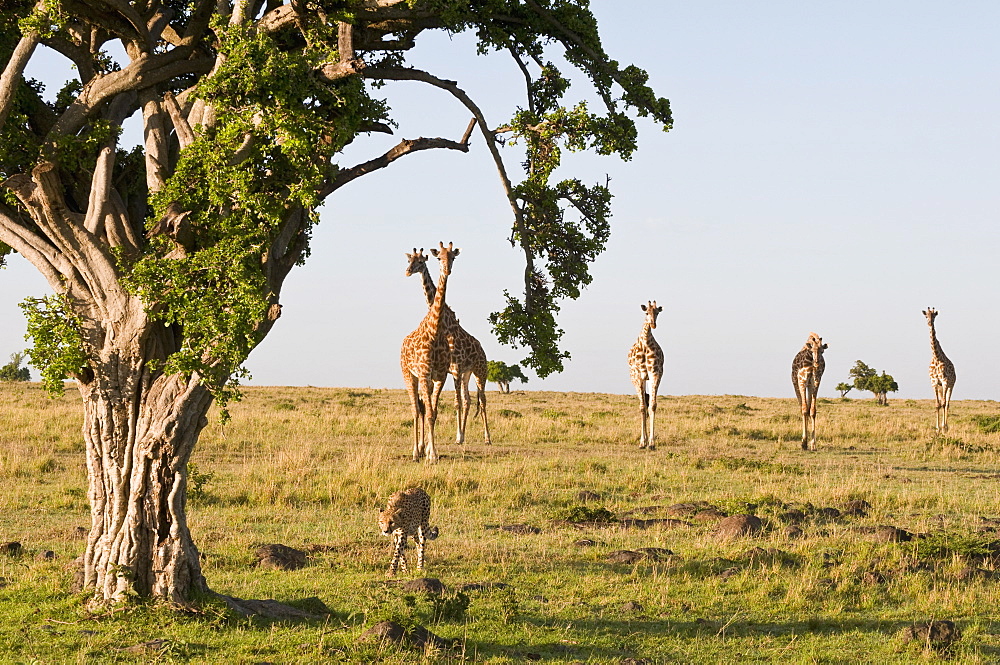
{"type": "Point", "coordinates": [942, 373]}
{"type": "Point", "coordinates": [424, 361]}
{"type": "Point", "coordinates": [807, 371]}
{"type": "Point", "coordinates": [466, 353]}
{"type": "Point", "coordinates": [646, 362]}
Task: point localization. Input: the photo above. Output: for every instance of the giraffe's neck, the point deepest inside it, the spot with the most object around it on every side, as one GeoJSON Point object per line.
{"type": "Point", "coordinates": [434, 314]}
{"type": "Point", "coordinates": [429, 288]}
{"type": "Point", "coordinates": [646, 336]}
{"type": "Point", "coordinates": [936, 346]}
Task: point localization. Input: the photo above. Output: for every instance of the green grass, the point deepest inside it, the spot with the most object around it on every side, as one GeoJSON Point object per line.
{"type": "Point", "coordinates": [310, 468]}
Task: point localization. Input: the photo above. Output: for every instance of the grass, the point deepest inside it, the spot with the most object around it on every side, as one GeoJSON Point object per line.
{"type": "Point", "coordinates": [310, 468]}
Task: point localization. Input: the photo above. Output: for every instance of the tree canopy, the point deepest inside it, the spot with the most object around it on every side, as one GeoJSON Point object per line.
{"type": "Point", "coordinates": [14, 371]}
{"type": "Point", "coordinates": [502, 374]}
{"type": "Point", "coordinates": [868, 378]}
{"type": "Point", "coordinates": [167, 259]}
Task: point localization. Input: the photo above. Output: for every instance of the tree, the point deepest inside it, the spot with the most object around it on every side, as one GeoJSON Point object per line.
{"type": "Point", "coordinates": [167, 260]}
{"type": "Point", "coordinates": [13, 371]}
{"type": "Point", "coordinates": [502, 374]}
{"type": "Point", "coordinates": [844, 388]}
{"type": "Point", "coordinates": [868, 378]}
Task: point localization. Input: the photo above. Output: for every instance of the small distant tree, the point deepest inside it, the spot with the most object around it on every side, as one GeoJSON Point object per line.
{"type": "Point", "coordinates": [868, 378]}
{"type": "Point", "coordinates": [844, 388]}
{"type": "Point", "coordinates": [502, 374]}
{"type": "Point", "coordinates": [13, 371]}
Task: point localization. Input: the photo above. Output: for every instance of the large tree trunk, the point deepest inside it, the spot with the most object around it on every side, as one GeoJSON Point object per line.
{"type": "Point", "coordinates": [139, 434]}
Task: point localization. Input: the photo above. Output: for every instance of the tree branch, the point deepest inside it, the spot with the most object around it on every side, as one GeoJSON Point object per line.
{"type": "Point", "coordinates": [13, 71]}
{"type": "Point", "coordinates": [409, 74]}
{"type": "Point", "coordinates": [404, 147]}
{"type": "Point", "coordinates": [150, 70]}
{"type": "Point", "coordinates": [185, 136]}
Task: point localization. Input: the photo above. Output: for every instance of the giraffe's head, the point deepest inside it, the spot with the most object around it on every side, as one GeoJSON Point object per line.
{"type": "Point", "coordinates": [651, 311]}
{"type": "Point", "coordinates": [417, 261]}
{"type": "Point", "coordinates": [816, 345]}
{"type": "Point", "coordinates": [931, 314]}
{"type": "Point", "coordinates": [446, 255]}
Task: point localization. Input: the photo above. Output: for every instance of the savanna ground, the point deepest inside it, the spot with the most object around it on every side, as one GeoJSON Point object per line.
{"type": "Point", "coordinates": [310, 467]}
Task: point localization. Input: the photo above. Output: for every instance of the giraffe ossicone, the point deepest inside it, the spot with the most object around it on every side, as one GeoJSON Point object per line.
{"type": "Point", "coordinates": [645, 361]}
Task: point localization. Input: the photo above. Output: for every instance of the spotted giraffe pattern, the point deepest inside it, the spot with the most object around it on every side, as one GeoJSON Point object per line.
{"type": "Point", "coordinates": [645, 361]}
{"type": "Point", "coordinates": [466, 353]}
{"type": "Point", "coordinates": [807, 371]}
{"type": "Point", "coordinates": [942, 373]}
{"type": "Point", "coordinates": [424, 360]}
{"type": "Point", "coordinates": [407, 513]}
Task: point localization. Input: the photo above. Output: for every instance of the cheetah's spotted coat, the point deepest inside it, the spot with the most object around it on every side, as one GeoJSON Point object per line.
{"type": "Point", "coordinates": [407, 514]}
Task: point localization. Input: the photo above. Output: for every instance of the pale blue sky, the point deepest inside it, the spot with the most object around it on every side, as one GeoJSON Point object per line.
{"type": "Point", "coordinates": [833, 167]}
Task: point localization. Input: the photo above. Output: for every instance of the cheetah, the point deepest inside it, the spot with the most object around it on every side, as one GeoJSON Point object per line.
{"type": "Point", "coordinates": [407, 514]}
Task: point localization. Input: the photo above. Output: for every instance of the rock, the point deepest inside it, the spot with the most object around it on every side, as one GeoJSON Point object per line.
{"type": "Point", "coordinates": [588, 495]}
{"type": "Point", "coordinates": [829, 513]}
{"type": "Point", "coordinates": [646, 524]}
{"type": "Point", "coordinates": [12, 548]}
{"type": "Point", "coordinates": [793, 531]}
{"type": "Point", "coordinates": [585, 542]}
{"type": "Point", "coordinates": [521, 529]}
{"type": "Point", "coordinates": [857, 508]}
{"type": "Point", "coordinates": [280, 557]}
{"type": "Point", "coordinates": [80, 533]}
{"type": "Point", "coordinates": [891, 534]}
{"type": "Point", "coordinates": [729, 572]}
{"type": "Point", "coordinates": [710, 514]}
{"type": "Point", "coordinates": [631, 606]}
{"type": "Point", "coordinates": [739, 525]}
{"type": "Point", "coordinates": [939, 634]}
{"type": "Point", "coordinates": [623, 556]}
{"type": "Point", "coordinates": [482, 586]}
{"type": "Point", "coordinates": [429, 585]}
{"type": "Point", "coordinates": [388, 631]}
{"type": "Point", "coordinates": [420, 637]}
{"type": "Point", "coordinates": [793, 516]}
{"type": "Point", "coordinates": [688, 509]}
{"type": "Point", "coordinates": [656, 553]}
{"type": "Point", "coordinates": [646, 553]}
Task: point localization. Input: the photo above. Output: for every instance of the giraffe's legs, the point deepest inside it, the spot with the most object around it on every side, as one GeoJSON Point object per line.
{"type": "Point", "coordinates": [812, 418]}
{"type": "Point", "coordinates": [653, 388]}
{"type": "Point", "coordinates": [417, 408]}
{"type": "Point", "coordinates": [947, 406]}
{"type": "Point", "coordinates": [433, 389]}
{"type": "Point", "coordinates": [640, 387]}
{"type": "Point", "coordinates": [481, 404]}
{"type": "Point", "coordinates": [462, 405]}
{"type": "Point", "coordinates": [938, 406]}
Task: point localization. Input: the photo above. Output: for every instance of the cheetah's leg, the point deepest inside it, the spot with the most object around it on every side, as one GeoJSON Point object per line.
{"type": "Point", "coordinates": [398, 559]}
{"type": "Point", "coordinates": [421, 544]}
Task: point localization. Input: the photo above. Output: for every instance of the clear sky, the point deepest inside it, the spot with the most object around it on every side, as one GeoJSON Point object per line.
{"type": "Point", "coordinates": [834, 167]}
